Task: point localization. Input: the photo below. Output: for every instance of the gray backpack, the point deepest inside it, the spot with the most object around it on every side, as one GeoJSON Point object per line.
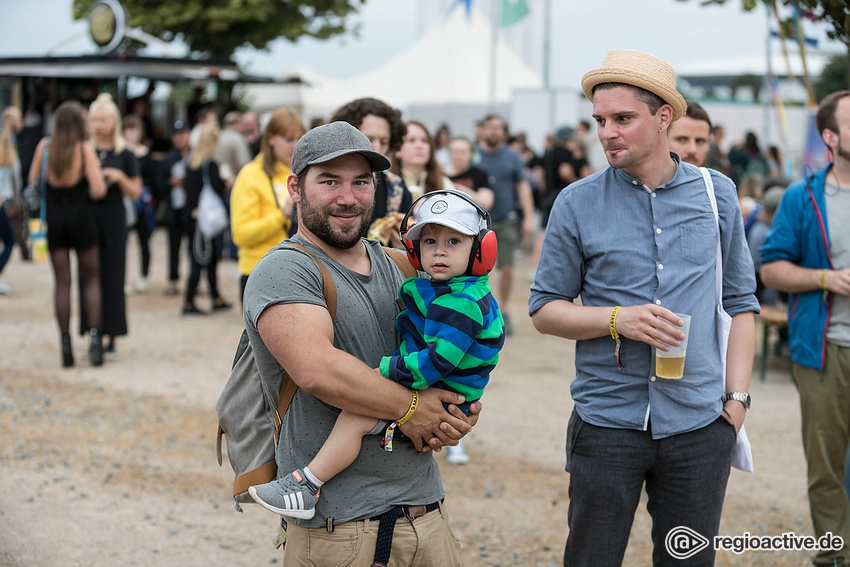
{"type": "Point", "coordinates": [251, 410]}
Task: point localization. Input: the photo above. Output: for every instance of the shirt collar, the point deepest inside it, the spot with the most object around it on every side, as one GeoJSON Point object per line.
{"type": "Point", "coordinates": [685, 173]}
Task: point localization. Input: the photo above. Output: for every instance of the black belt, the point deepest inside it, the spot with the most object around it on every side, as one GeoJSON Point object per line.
{"type": "Point", "coordinates": [386, 527]}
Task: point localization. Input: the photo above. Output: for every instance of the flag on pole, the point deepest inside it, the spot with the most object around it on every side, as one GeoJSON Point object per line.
{"type": "Point", "coordinates": [467, 4]}
{"type": "Point", "coordinates": [512, 12]}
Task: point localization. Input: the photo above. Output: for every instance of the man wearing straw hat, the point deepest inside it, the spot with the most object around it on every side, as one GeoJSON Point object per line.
{"type": "Point", "coordinates": [638, 241]}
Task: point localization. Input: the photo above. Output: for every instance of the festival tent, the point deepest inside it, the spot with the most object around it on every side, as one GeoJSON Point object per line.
{"type": "Point", "coordinates": [447, 72]}
{"type": "Point", "coordinates": [450, 64]}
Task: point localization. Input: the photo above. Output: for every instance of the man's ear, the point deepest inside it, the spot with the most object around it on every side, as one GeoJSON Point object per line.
{"type": "Point", "coordinates": [665, 116]}
{"type": "Point", "coordinates": [830, 138]}
{"type": "Point", "coordinates": [292, 187]}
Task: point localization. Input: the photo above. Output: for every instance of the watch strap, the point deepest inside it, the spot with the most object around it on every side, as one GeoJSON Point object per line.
{"type": "Point", "coordinates": [742, 397]}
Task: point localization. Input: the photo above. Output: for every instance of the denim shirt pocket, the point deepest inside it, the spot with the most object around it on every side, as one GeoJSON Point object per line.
{"type": "Point", "coordinates": [698, 241]}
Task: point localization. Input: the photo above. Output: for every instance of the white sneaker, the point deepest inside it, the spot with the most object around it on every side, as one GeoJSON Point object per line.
{"type": "Point", "coordinates": [142, 285]}
{"type": "Point", "coordinates": [5, 288]}
{"type": "Point", "coordinates": [457, 455]}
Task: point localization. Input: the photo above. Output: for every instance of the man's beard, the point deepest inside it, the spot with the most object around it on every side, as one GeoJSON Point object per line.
{"type": "Point", "coordinates": [316, 221]}
{"type": "Point", "coordinates": [842, 152]}
{"type": "Point", "coordinates": [493, 142]}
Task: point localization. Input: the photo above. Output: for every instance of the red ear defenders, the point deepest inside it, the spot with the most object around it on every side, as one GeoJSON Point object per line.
{"type": "Point", "coordinates": [482, 258]}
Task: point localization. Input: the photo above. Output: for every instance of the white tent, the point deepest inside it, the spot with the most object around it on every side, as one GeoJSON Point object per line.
{"type": "Point", "coordinates": [450, 64]}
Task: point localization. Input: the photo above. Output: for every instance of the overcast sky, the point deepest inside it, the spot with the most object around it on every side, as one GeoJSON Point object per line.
{"type": "Point", "coordinates": [685, 34]}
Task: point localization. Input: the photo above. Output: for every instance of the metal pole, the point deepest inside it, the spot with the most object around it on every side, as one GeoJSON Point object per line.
{"type": "Point", "coordinates": [493, 44]}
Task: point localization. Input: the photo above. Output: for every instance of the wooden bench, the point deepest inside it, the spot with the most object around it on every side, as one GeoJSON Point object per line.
{"type": "Point", "coordinates": [770, 316]}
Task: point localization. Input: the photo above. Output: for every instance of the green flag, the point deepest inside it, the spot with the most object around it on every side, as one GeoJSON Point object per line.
{"type": "Point", "coordinates": [513, 11]}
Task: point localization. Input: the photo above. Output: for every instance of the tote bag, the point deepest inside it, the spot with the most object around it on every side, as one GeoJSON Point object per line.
{"type": "Point", "coordinates": [742, 454]}
{"type": "Point", "coordinates": [212, 214]}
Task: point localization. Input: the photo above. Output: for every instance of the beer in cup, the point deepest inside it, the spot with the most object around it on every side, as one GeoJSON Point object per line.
{"type": "Point", "coordinates": [671, 364]}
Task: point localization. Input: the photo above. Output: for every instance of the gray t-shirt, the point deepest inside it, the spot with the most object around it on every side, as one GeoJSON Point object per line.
{"type": "Point", "coordinates": [838, 220]}
{"type": "Point", "coordinates": [365, 328]}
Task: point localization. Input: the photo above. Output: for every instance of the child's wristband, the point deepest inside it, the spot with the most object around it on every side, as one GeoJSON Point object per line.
{"type": "Point", "coordinates": [414, 403]}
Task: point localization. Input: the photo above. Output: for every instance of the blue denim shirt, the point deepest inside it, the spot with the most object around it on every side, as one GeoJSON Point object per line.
{"type": "Point", "coordinates": [612, 241]}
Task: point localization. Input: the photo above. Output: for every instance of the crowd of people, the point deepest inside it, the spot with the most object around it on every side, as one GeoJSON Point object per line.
{"type": "Point", "coordinates": [279, 180]}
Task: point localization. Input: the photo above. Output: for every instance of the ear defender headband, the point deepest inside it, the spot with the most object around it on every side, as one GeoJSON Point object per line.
{"type": "Point", "coordinates": [482, 258]}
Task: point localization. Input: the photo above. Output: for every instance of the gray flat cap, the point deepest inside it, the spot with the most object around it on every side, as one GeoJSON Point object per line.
{"type": "Point", "coordinates": [330, 141]}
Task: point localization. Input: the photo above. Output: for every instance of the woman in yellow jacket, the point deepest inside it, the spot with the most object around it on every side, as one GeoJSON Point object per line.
{"type": "Point", "coordinates": [260, 207]}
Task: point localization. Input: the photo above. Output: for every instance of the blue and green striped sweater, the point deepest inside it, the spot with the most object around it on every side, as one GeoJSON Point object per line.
{"type": "Point", "coordinates": [451, 334]}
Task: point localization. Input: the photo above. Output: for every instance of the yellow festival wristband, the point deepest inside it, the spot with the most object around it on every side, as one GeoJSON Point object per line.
{"type": "Point", "coordinates": [414, 403]}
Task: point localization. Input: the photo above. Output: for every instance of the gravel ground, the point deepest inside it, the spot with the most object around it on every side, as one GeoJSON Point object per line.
{"type": "Point", "coordinates": [116, 465]}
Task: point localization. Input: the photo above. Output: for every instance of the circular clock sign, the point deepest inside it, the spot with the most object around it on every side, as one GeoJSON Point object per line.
{"type": "Point", "coordinates": [106, 24]}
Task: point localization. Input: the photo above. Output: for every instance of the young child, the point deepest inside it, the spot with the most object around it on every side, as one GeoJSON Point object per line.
{"type": "Point", "coordinates": [451, 334]}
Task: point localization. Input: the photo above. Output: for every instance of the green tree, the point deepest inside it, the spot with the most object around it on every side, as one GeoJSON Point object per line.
{"type": "Point", "coordinates": [218, 27]}
{"type": "Point", "coordinates": [834, 77]}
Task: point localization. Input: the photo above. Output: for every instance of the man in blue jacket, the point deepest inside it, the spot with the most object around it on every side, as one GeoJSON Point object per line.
{"type": "Point", "coordinates": [807, 254]}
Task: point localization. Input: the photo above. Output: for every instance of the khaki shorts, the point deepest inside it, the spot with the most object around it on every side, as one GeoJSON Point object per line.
{"type": "Point", "coordinates": [428, 540]}
{"type": "Point", "coordinates": [507, 235]}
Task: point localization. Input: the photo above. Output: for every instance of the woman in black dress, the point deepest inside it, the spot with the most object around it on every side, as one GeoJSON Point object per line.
{"type": "Point", "coordinates": [121, 171]}
{"type": "Point", "coordinates": [73, 180]}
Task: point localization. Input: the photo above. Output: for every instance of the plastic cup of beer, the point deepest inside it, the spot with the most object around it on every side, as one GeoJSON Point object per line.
{"type": "Point", "coordinates": [671, 364]}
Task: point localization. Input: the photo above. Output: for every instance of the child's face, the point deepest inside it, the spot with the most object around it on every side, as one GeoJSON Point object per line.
{"type": "Point", "coordinates": [444, 251]}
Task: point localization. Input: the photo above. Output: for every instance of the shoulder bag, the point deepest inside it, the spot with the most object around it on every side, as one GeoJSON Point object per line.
{"type": "Point", "coordinates": [742, 455]}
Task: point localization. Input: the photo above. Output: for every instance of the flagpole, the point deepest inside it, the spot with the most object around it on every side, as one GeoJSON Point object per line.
{"type": "Point", "coordinates": [493, 43]}
{"type": "Point", "coordinates": [547, 41]}
{"type": "Point", "coordinates": [813, 102]}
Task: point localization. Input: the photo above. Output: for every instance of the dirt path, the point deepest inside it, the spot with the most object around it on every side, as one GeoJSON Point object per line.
{"type": "Point", "coordinates": [116, 465]}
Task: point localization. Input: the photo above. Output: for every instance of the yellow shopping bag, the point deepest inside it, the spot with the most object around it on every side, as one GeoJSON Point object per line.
{"type": "Point", "coordinates": [37, 239]}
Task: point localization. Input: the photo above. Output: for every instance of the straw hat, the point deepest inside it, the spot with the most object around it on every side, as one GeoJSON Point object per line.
{"type": "Point", "coordinates": [640, 70]}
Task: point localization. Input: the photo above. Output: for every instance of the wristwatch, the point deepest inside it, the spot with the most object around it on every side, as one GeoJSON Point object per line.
{"type": "Point", "coordinates": [742, 397]}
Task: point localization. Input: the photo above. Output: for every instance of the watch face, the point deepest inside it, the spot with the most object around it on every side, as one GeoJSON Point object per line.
{"type": "Point", "coordinates": [102, 24]}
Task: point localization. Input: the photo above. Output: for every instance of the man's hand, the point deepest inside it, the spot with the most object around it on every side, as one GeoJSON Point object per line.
{"type": "Point", "coordinates": [528, 226]}
{"type": "Point", "coordinates": [734, 412]}
{"type": "Point", "coordinates": [838, 281]}
{"type": "Point", "coordinates": [651, 324]}
{"type": "Point", "coordinates": [431, 427]}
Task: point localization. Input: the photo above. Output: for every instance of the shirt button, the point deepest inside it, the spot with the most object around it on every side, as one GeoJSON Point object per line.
{"type": "Point", "coordinates": [653, 194]}
{"type": "Point", "coordinates": [660, 266]}
{"type": "Point", "coordinates": [658, 302]}
{"type": "Point", "coordinates": [652, 378]}
{"type": "Point", "coordinates": [634, 182]}
{"type": "Point", "coordinates": [657, 231]}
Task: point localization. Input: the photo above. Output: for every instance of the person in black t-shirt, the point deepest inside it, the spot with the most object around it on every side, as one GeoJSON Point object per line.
{"type": "Point", "coordinates": [466, 177]}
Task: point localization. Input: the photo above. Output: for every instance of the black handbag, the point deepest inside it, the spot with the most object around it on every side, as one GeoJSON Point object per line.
{"type": "Point", "coordinates": [34, 192]}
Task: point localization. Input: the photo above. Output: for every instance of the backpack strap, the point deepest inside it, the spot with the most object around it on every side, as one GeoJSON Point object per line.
{"type": "Point", "coordinates": [400, 258]}
{"type": "Point", "coordinates": [289, 387]}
